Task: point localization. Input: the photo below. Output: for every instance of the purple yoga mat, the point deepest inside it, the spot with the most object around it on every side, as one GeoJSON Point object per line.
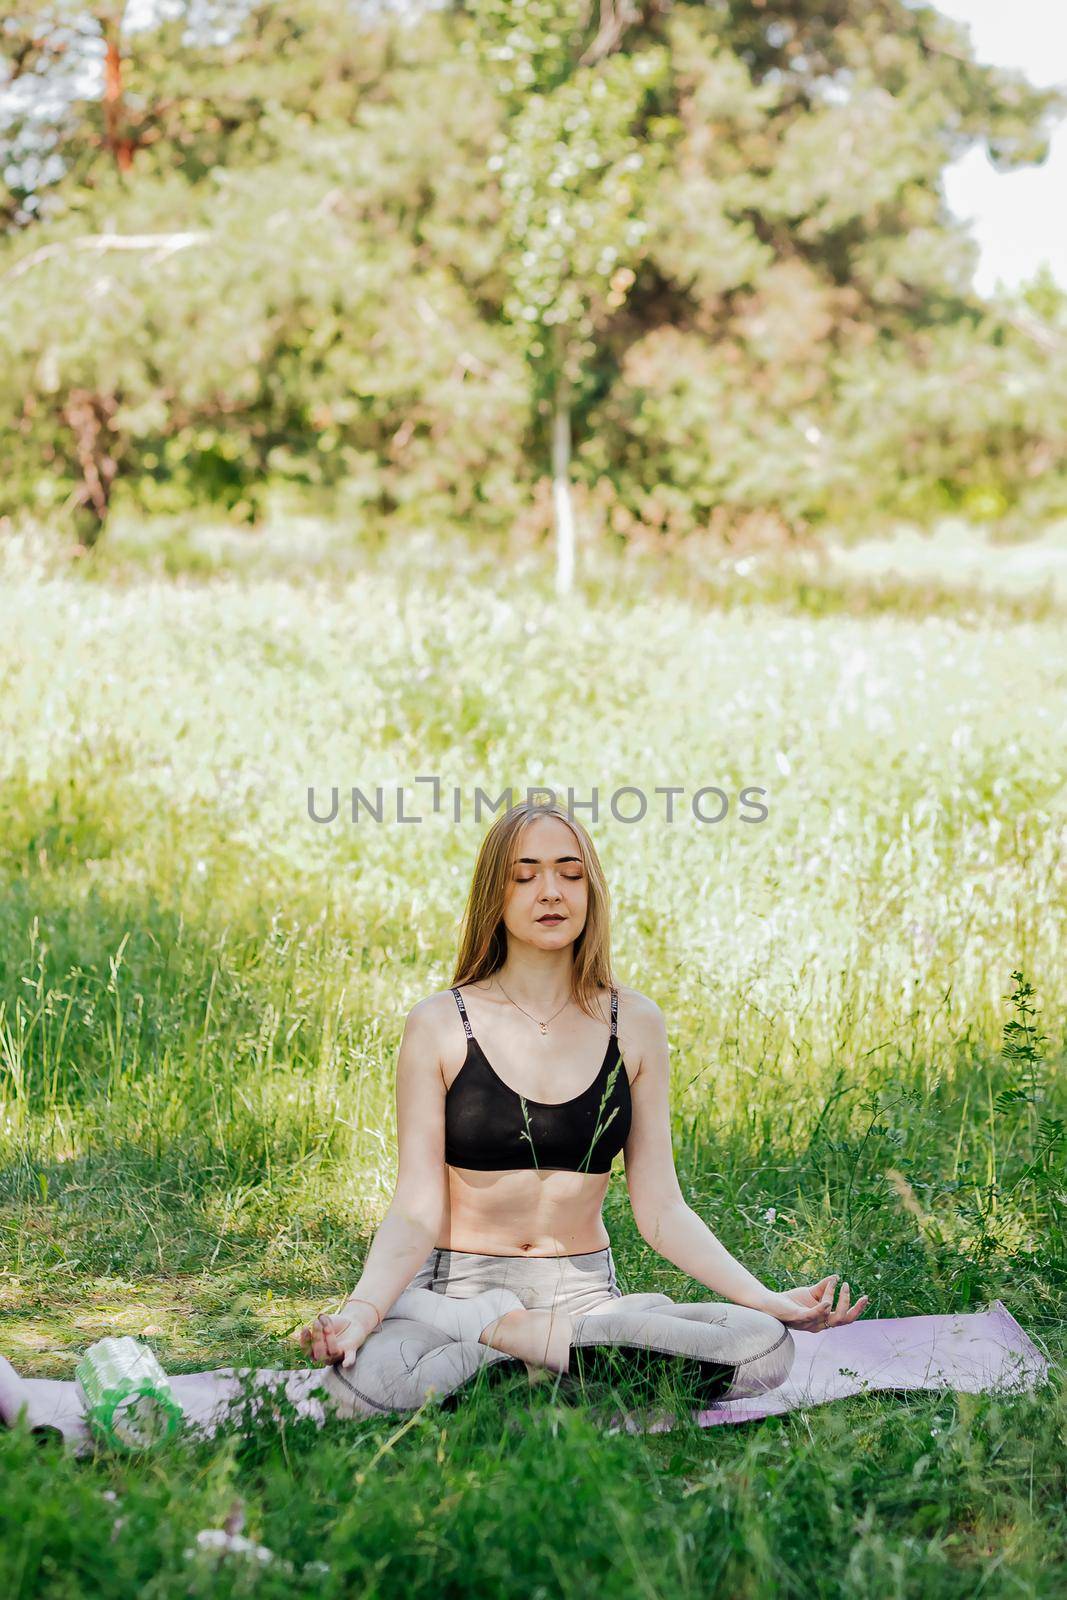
{"type": "Point", "coordinates": [984, 1350]}
{"type": "Point", "coordinates": [53, 1405]}
{"type": "Point", "coordinates": [974, 1351]}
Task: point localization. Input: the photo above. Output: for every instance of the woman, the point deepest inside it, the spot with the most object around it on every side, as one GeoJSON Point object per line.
{"type": "Point", "coordinates": [493, 1249]}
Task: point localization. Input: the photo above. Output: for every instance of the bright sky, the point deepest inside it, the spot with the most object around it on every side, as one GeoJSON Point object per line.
{"type": "Point", "coordinates": [1017, 219]}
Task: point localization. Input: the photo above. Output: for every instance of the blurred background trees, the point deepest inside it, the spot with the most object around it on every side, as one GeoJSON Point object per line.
{"type": "Point", "coordinates": [691, 261]}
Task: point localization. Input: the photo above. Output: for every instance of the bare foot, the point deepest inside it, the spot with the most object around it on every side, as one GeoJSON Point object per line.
{"type": "Point", "coordinates": [540, 1338]}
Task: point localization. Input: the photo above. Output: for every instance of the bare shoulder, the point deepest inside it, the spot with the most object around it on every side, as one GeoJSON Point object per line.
{"type": "Point", "coordinates": [639, 1008]}
{"type": "Point", "coordinates": [430, 1016]}
{"type": "Point", "coordinates": [642, 1028]}
{"type": "Point", "coordinates": [434, 1026]}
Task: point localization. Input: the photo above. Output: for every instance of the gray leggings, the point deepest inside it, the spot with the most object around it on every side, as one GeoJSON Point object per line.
{"type": "Point", "coordinates": [427, 1346]}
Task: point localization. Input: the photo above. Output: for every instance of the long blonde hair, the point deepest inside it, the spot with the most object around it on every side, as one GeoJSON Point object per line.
{"type": "Point", "coordinates": [483, 943]}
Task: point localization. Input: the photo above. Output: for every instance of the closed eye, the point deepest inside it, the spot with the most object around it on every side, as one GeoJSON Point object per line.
{"type": "Point", "coordinates": [575, 877]}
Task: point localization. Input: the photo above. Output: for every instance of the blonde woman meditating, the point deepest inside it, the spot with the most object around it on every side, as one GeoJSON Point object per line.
{"type": "Point", "coordinates": [493, 1251]}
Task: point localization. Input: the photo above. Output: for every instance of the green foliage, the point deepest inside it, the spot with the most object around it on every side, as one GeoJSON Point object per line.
{"type": "Point", "coordinates": [573, 176]}
{"type": "Point", "coordinates": [530, 49]}
{"type": "Point", "coordinates": [383, 249]}
{"type": "Point", "coordinates": [575, 166]}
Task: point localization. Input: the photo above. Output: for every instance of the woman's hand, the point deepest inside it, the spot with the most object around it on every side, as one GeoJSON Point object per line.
{"type": "Point", "coordinates": [334, 1337]}
{"type": "Point", "coordinates": [810, 1309]}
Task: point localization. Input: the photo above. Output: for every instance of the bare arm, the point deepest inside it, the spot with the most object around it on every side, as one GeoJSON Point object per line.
{"type": "Point", "coordinates": [410, 1226]}
{"type": "Point", "coordinates": [412, 1222]}
{"type": "Point", "coordinates": [660, 1210]}
{"type": "Point", "coordinates": [673, 1228]}
{"type": "Point", "coordinates": [680, 1235]}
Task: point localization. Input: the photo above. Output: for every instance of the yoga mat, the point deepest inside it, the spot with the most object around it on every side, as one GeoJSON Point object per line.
{"type": "Point", "coordinates": [974, 1351]}
{"type": "Point", "coordinates": [53, 1405]}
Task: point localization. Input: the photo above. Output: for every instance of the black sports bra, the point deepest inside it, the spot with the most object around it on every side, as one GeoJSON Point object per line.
{"type": "Point", "coordinates": [486, 1129]}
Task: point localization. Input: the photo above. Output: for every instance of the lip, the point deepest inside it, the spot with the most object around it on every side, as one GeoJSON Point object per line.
{"type": "Point", "coordinates": [552, 916]}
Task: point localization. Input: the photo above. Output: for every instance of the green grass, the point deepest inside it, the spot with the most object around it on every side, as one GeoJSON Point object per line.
{"type": "Point", "coordinates": [202, 992]}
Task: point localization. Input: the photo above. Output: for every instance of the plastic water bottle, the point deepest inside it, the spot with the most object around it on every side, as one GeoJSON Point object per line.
{"type": "Point", "coordinates": [127, 1395]}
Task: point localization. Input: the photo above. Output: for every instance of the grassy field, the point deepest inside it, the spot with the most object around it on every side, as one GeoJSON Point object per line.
{"type": "Point", "coordinates": [202, 991]}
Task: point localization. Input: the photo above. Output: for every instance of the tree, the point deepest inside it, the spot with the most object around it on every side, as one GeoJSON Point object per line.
{"type": "Point", "coordinates": [715, 216]}
{"type": "Point", "coordinates": [269, 299]}
{"type": "Point", "coordinates": [575, 167]}
{"type": "Point", "coordinates": [695, 257]}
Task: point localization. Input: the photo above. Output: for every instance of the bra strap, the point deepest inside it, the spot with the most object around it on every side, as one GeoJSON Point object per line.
{"type": "Point", "coordinates": [614, 1013]}
{"type": "Point", "coordinates": [463, 1013]}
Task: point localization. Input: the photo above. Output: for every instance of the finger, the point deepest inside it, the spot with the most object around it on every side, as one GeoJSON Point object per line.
{"type": "Point", "coordinates": [845, 1300]}
{"type": "Point", "coordinates": [326, 1330]}
{"type": "Point", "coordinates": [825, 1306]}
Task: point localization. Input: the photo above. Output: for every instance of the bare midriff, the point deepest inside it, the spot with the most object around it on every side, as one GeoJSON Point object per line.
{"type": "Point", "coordinates": [525, 1213]}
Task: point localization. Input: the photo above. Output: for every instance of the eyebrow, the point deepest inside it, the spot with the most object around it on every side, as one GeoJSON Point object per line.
{"type": "Point", "coordinates": [535, 861]}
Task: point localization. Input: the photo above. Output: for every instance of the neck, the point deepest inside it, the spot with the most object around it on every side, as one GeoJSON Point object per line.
{"type": "Point", "coordinates": [537, 980]}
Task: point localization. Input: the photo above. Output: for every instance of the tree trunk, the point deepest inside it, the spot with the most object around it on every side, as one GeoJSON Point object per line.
{"type": "Point", "coordinates": [561, 489]}
{"type": "Point", "coordinates": [116, 139]}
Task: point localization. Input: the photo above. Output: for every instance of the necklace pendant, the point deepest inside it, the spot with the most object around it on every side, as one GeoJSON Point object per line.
{"type": "Point", "coordinates": [543, 1026]}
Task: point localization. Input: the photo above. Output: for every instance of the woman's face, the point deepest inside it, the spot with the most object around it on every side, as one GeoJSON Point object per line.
{"type": "Point", "coordinates": [547, 877]}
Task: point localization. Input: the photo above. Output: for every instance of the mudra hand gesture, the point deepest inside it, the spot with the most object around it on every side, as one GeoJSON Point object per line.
{"type": "Point", "coordinates": [811, 1308]}
{"type": "Point", "coordinates": [334, 1337]}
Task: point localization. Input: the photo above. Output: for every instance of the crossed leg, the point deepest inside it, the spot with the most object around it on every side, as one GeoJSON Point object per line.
{"type": "Point", "coordinates": [496, 1317]}
{"type": "Point", "coordinates": [542, 1339]}
{"type": "Point", "coordinates": [436, 1344]}
{"type": "Point", "coordinates": [724, 1351]}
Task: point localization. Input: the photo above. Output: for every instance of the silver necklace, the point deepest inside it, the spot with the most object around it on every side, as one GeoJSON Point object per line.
{"type": "Point", "coordinates": [542, 1025]}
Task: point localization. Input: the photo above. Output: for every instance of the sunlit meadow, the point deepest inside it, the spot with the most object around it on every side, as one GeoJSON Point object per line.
{"type": "Point", "coordinates": [202, 991]}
